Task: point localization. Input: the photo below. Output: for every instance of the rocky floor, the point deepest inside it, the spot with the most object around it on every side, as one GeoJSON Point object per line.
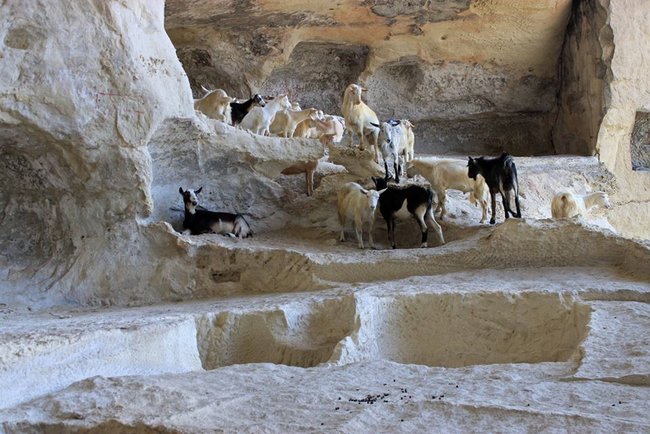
{"type": "Point", "coordinates": [528, 325]}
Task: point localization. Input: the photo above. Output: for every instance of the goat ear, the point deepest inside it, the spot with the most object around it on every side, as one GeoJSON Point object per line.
{"type": "Point", "coordinates": [364, 191]}
{"type": "Point", "coordinates": [381, 191]}
{"type": "Point", "coordinates": [180, 190]}
{"type": "Point", "coordinates": [363, 89]}
{"type": "Point", "coordinates": [374, 124]}
{"type": "Point", "coordinates": [198, 191]}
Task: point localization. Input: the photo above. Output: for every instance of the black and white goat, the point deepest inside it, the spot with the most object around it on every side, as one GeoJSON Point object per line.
{"type": "Point", "coordinates": [500, 174]}
{"type": "Point", "coordinates": [401, 202]}
{"type": "Point", "coordinates": [240, 110]}
{"type": "Point", "coordinates": [201, 221]}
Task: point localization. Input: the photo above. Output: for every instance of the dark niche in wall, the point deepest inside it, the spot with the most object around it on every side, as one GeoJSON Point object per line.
{"type": "Point", "coordinates": [640, 142]}
{"type": "Point", "coordinates": [317, 74]}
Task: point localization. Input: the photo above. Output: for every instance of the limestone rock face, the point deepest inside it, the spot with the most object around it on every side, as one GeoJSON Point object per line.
{"type": "Point", "coordinates": [82, 124]}
{"type": "Point", "coordinates": [78, 105]}
{"type": "Point", "coordinates": [420, 60]}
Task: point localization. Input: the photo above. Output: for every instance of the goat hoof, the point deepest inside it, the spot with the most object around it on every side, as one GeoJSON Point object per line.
{"type": "Point", "coordinates": [492, 221]}
{"type": "Point", "coordinates": [423, 245]}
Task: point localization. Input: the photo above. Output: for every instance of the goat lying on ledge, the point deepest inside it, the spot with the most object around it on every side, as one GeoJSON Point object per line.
{"type": "Point", "coordinates": [200, 221]}
{"type": "Point", "coordinates": [566, 204]}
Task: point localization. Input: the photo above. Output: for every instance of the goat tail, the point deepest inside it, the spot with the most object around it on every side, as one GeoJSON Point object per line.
{"type": "Point", "coordinates": [510, 170]}
{"type": "Point", "coordinates": [241, 227]}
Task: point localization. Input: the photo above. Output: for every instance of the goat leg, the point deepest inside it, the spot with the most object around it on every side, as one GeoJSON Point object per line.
{"type": "Point", "coordinates": [505, 198]}
{"type": "Point", "coordinates": [494, 207]}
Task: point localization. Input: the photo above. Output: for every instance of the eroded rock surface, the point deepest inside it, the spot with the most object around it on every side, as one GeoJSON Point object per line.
{"type": "Point", "coordinates": [538, 322]}
{"type": "Point", "coordinates": [420, 60]}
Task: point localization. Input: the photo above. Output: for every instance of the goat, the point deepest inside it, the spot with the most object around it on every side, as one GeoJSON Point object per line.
{"type": "Point", "coordinates": [325, 125]}
{"type": "Point", "coordinates": [500, 174]}
{"type": "Point", "coordinates": [359, 117]}
{"type": "Point", "coordinates": [240, 110]}
{"type": "Point", "coordinates": [306, 167]}
{"type": "Point", "coordinates": [355, 200]}
{"type": "Point", "coordinates": [450, 174]}
{"type": "Point", "coordinates": [398, 203]}
{"type": "Point", "coordinates": [215, 104]}
{"type": "Point", "coordinates": [307, 129]}
{"type": "Point", "coordinates": [389, 140]}
{"type": "Point", "coordinates": [566, 204]}
{"type": "Point", "coordinates": [259, 119]}
{"type": "Point", "coordinates": [286, 121]}
{"type": "Point", "coordinates": [407, 145]}
{"type": "Point", "coordinates": [201, 221]}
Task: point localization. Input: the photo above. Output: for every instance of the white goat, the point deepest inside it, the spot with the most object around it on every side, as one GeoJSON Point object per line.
{"type": "Point", "coordinates": [361, 204]}
{"type": "Point", "coordinates": [359, 117]}
{"type": "Point", "coordinates": [390, 138]}
{"type": "Point", "coordinates": [450, 174]}
{"type": "Point", "coordinates": [259, 119]}
{"type": "Point", "coordinates": [567, 204]}
{"type": "Point", "coordinates": [407, 144]}
{"type": "Point", "coordinates": [215, 104]}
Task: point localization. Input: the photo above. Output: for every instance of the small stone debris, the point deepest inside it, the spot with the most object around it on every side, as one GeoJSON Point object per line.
{"type": "Point", "coordinates": [457, 386]}
{"type": "Point", "coordinates": [370, 399]}
{"type": "Point", "coordinates": [337, 408]}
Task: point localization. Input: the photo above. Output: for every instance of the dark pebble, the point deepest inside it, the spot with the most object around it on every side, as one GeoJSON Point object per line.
{"type": "Point", "coordinates": [336, 408]}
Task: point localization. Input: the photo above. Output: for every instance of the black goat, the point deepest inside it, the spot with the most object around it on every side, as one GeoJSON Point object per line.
{"type": "Point", "coordinates": [500, 174]}
{"type": "Point", "coordinates": [240, 110]}
{"type": "Point", "coordinates": [400, 203]}
{"type": "Point", "coordinates": [201, 221]}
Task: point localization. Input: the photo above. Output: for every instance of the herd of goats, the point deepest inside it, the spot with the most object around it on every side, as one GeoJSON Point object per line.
{"type": "Point", "coordinates": [394, 141]}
